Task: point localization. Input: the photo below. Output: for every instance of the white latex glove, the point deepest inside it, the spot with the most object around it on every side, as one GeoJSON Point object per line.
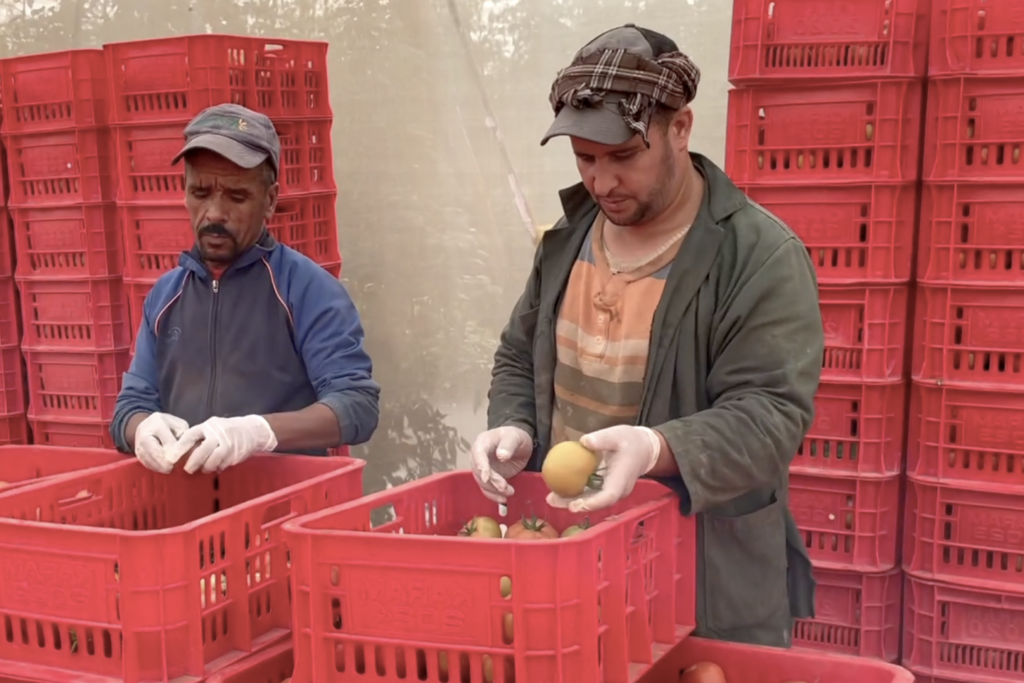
{"type": "Point", "coordinates": [498, 455]}
{"type": "Point", "coordinates": [155, 438]}
{"type": "Point", "coordinates": [628, 453]}
{"type": "Point", "coordinates": [224, 442]}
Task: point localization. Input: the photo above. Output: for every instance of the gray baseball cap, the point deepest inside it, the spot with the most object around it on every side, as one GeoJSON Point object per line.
{"type": "Point", "coordinates": [604, 124]}
{"type": "Point", "coordinates": [240, 135]}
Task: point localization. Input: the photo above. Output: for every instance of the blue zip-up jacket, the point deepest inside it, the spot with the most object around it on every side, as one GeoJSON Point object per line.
{"type": "Point", "coordinates": [275, 334]}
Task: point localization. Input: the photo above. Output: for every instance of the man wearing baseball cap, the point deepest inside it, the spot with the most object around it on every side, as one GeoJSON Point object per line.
{"type": "Point", "coordinates": [247, 346]}
{"type": "Point", "coordinates": [670, 325]}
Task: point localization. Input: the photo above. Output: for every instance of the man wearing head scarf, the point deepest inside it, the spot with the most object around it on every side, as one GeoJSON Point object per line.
{"type": "Point", "coordinates": [247, 346]}
{"type": "Point", "coordinates": [671, 326]}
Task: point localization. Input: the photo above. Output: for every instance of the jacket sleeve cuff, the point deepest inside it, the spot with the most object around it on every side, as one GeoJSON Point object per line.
{"type": "Point", "coordinates": [119, 426]}
{"type": "Point", "coordinates": [684, 442]}
{"type": "Point", "coordinates": [357, 416]}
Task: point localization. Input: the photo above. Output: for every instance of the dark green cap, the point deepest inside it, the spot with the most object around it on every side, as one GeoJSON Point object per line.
{"type": "Point", "coordinates": [240, 135]}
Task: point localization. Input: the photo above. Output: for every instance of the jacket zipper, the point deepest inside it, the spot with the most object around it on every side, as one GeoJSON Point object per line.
{"type": "Point", "coordinates": [213, 348]}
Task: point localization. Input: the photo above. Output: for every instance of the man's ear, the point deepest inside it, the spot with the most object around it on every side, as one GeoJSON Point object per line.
{"type": "Point", "coordinates": [273, 192]}
{"type": "Point", "coordinates": [680, 129]}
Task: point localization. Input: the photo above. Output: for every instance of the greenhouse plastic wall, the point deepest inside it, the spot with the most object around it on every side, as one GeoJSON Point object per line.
{"type": "Point", "coordinates": [439, 106]}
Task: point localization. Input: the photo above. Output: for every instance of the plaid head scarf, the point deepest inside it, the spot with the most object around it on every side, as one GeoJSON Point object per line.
{"type": "Point", "coordinates": [670, 78]}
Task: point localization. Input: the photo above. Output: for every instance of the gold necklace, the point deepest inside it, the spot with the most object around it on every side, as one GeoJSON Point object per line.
{"type": "Point", "coordinates": [619, 266]}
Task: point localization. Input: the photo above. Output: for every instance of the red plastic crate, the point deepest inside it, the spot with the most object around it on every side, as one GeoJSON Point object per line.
{"type": "Point", "coordinates": [865, 331]}
{"type": "Point", "coordinates": [144, 154]}
{"type": "Point", "coordinates": [62, 167]}
{"type": "Point", "coordinates": [173, 79]}
{"type": "Point", "coordinates": [10, 321]}
{"type": "Point", "coordinates": [972, 232]}
{"type": "Point", "coordinates": [309, 225]}
{"type": "Point", "coordinates": [74, 384]}
{"type": "Point", "coordinates": [796, 39]}
{"type": "Point", "coordinates": [845, 132]}
{"type": "Point", "coordinates": [68, 241]}
{"type": "Point", "coordinates": [23, 465]}
{"type": "Point", "coordinates": [977, 37]}
{"type": "Point", "coordinates": [75, 314]}
{"type": "Point", "coordinates": [307, 158]}
{"type": "Point", "coordinates": [969, 334]}
{"type": "Point", "coordinates": [593, 606]}
{"type": "Point", "coordinates": [154, 237]}
{"type": "Point", "coordinates": [13, 429]}
{"type": "Point", "coordinates": [966, 434]}
{"type": "Point", "coordinates": [967, 533]}
{"type": "Point", "coordinates": [54, 91]}
{"type": "Point", "coordinates": [72, 433]}
{"type": "Point", "coordinates": [754, 664]}
{"type": "Point", "coordinates": [964, 632]}
{"type": "Point", "coordinates": [6, 237]}
{"type": "Point", "coordinates": [858, 428]}
{"type": "Point", "coordinates": [273, 665]}
{"type": "Point", "coordinates": [172, 577]}
{"type": "Point", "coordinates": [856, 614]}
{"type": "Point", "coordinates": [853, 233]}
{"type": "Point", "coordinates": [975, 128]}
{"type": "Point", "coordinates": [12, 381]}
{"type": "Point", "coordinates": [848, 523]}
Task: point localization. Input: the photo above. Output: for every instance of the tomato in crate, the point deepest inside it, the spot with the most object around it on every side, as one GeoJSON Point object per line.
{"type": "Point", "coordinates": [972, 233]}
{"type": "Point", "coordinates": [853, 233]}
{"type": "Point", "coordinates": [858, 428]}
{"type": "Point", "coordinates": [122, 574]}
{"type": "Point", "coordinates": [860, 132]}
{"type": "Point", "coordinates": [387, 584]}
{"type": "Point", "coordinates": [969, 334]}
{"type": "Point", "coordinates": [974, 128]}
{"type": "Point", "coordinates": [976, 37]}
{"type": "Point", "coordinates": [798, 40]}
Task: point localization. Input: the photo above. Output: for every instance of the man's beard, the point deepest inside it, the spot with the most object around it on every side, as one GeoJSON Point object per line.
{"type": "Point", "coordinates": [217, 230]}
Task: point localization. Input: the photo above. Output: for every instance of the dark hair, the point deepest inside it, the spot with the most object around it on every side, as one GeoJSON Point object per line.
{"type": "Point", "coordinates": [663, 115]}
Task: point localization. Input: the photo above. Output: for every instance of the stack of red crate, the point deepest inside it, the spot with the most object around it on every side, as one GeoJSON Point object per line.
{"type": "Point", "coordinates": [13, 424]}
{"type": "Point", "coordinates": [73, 309]}
{"type": "Point", "coordinates": [964, 528]}
{"type": "Point", "coordinates": [159, 85]}
{"type": "Point", "coordinates": [824, 131]}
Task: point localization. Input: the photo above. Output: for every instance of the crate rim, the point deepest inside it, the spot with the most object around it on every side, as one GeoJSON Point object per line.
{"type": "Point", "coordinates": [841, 474]}
{"type": "Point", "coordinates": [193, 36]}
{"type": "Point", "coordinates": [297, 526]}
{"type": "Point", "coordinates": [346, 465]}
{"type": "Point", "coordinates": [966, 485]}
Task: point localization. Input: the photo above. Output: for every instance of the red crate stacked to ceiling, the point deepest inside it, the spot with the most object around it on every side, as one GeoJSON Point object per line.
{"type": "Point", "coordinates": [157, 87]}
{"type": "Point", "coordinates": [824, 132]}
{"type": "Point", "coordinates": [13, 396]}
{"type": "Point", "coordinates": [74, 315]}
{"type": "Point", "coordinates": [964, 529]}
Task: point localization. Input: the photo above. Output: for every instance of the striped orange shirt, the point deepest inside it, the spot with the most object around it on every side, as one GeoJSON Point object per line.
{"type": "Point", "coordinates": [603, 336]}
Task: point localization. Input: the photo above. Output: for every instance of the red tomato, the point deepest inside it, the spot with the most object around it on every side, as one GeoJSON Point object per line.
{"type": "Point", "coordinates": [703, 672]}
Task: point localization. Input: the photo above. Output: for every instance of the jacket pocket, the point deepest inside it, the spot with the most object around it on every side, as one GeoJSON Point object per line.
{"type": "Point", "coordinates": [745, 569]}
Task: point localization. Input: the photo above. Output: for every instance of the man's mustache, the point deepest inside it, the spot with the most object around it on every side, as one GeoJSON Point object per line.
{"type": "Point", "coordinates": [216, 230]}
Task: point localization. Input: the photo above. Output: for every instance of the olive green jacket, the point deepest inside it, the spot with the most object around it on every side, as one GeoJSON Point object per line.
{"type": "Point", "coordinates": [736, 355]}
